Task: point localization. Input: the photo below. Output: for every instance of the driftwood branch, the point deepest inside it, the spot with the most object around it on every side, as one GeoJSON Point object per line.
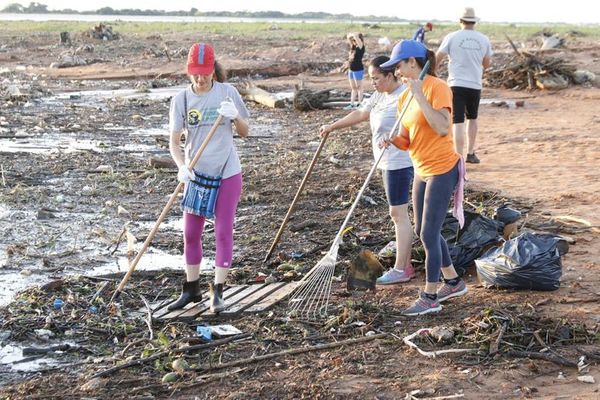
{"type": "Point", "coordinates": [141, 361]}
{"type": "Point", "coordinates": [301, 350]}
{"type": "Point", "coordinates": [556, 359]}
{"type": "Point", "coordinates": [496, 345]}
{"type": "Point", "coordinates": [148, 318]}
{"type": "Point", "coordinates": [433, 354]}
{"type": "Point", "coordinates": [252, 92]}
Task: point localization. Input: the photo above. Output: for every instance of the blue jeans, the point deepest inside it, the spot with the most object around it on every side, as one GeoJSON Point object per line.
{"type": "Point", "coordinates": [431, 197]}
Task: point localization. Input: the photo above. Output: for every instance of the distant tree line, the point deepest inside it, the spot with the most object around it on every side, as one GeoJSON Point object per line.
{"type": "Point", "coordinates": [38, 8]}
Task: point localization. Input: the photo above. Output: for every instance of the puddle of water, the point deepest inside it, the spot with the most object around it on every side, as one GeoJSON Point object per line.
{"type": "Point", "coordinates": [12, 355]}
{"type": "Point", "coordinates": [57, 143]}
{"type": "Point", "coordinates": [97, 95]}
{"type": "Point", "coordinates": [151, 261]}
{"type": "Point", "coordinates": [14, 281]}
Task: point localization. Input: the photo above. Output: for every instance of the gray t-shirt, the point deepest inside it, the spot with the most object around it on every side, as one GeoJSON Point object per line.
{"type": "Point", "coordinates": [466, 49]}
{"type": "Point", "coordinates": [383, 109]}
{"type": "Point", "coordinates": [220, 157]}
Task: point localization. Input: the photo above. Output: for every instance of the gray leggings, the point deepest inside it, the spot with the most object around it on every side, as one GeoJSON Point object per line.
{"type": "Point", "coordinates": [431, 197]}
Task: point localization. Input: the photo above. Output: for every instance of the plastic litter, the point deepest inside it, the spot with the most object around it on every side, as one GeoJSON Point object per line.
{"type": "Point", "coordinates": [58, 303]}
{"type": "Point", "coordinates": [529, 261]}
{"type": "Point", "coordinates": [477, 235]}
{"type": "Point", "coordinates": [205, 332]}
{"type": "Point", "coordinates": [506, 215]}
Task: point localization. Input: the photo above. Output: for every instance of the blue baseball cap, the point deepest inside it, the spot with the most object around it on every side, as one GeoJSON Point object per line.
{"type": "Point", "coordinates": [406, 49]}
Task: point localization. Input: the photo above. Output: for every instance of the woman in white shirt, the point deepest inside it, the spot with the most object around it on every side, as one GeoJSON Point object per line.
{"type": "Point", "coordinates": [380, 110]}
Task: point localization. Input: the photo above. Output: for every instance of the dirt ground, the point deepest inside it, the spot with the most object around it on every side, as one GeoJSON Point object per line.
{"type": "Point", "coordinates": [63, 210]}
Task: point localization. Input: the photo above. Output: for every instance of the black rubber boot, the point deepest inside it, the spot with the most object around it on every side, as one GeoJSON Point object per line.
{"type": "Point", "coordinates": [190, 293]}
{"type": "Point", "coordinates": [217, 304]}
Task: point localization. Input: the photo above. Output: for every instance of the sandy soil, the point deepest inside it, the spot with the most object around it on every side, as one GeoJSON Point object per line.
{"type": "Point", "coordinates": [541, 157]}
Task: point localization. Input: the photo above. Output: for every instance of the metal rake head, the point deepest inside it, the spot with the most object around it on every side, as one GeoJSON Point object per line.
{"type": "Point", "coordinates": [310, 299]}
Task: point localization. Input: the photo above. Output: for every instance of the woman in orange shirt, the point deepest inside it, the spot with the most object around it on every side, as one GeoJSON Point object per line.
{"type": "Point", "coordinates": [425, 132]}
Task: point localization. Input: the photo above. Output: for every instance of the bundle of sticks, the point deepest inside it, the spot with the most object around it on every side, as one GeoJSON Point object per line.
{"type": "Point", "coordinates": [528, 71]}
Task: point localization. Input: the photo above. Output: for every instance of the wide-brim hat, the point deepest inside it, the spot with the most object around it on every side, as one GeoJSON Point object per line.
{"type": "Point", "coordinates": [404, 50]}
{"type": "Point", "coordinates": [468, 15]}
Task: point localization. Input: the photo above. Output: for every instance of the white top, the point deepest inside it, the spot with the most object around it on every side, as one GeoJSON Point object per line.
{"type": "Point", "coordinates": [220, 157]}
{"type": "Point", "coordinates": [383, 109]}
{"type": "Point", "coordinates": [466, 49]}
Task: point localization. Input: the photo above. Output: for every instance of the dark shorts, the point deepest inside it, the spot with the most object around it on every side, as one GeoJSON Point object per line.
{"type": "Point", "coordinates": [397, 185]}
{"type": "Point", "coordinates": [465, 101]}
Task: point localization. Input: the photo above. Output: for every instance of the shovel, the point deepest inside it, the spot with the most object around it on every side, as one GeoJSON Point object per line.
{"type": "Point", "coordinates": [165, 211]}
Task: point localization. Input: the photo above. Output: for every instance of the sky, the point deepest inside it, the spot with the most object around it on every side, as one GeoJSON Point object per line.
{"type": "Point", "coordinates": [573, 11]}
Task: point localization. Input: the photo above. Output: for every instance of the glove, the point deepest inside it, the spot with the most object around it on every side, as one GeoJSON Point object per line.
{"type": "Point", "coordinates": [228, 110]}
{"type": "Point", "coordinates": [184, 175]}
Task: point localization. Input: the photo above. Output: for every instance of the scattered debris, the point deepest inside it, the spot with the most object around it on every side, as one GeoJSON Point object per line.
{"type": "Point", "coordinates": [102, 32]}
{"type": "Point", "coordinates": [528, 71]}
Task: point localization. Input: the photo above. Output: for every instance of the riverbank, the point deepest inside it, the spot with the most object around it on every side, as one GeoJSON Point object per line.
{"type": "Point", "coordinates": [79, 192]}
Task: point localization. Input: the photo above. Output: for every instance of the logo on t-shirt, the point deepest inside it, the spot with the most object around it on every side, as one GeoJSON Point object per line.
{"type": "Point", "coordinates": [194, 117]}
{"type": "Point", "coordinates": [470, 44]}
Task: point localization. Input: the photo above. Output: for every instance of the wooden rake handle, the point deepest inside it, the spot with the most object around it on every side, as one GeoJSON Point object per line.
{"type": "Point", "coordinates": [340, 234]}
{"type": "Point", "coordinates": [165, 211]}
{"type": "Point", "coordinates": [293, 205]}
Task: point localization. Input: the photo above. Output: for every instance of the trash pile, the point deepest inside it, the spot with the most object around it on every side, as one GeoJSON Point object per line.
{"type": "Point", "coordinates": [102, 32]}
{"type": "Point", "coordinates": [513, 331]}
{"type": "Point", "coordinates": [530, 71]}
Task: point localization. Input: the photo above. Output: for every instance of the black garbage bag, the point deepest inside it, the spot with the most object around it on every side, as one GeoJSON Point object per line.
{"type": "Point", "coordinates": [470, 242]}
{"type": "Point", "coordinates": [506, 215]}
{"type": "Point", "coordinates": [529, 261]}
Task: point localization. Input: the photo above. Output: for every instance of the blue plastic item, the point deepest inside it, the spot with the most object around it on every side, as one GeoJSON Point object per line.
{"type": "Point", "coordinates": [204, 332]}
{"type": "Point", "coordinates": [58, 303]}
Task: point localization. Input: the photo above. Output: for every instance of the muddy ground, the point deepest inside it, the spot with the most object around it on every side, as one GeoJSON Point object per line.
{"type": "Point", "coordinates": [75, 149]}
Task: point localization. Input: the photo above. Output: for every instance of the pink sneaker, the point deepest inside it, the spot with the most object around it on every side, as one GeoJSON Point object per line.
{"type": "Point", "coordinates": [394, 275]}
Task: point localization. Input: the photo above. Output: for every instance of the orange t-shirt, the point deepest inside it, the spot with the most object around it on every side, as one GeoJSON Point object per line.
{"type": "Point", "coordinates": [431, 153]}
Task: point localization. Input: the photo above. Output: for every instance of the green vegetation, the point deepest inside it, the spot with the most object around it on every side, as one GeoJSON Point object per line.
{"type": "Point", "coordinates": [300, 31]}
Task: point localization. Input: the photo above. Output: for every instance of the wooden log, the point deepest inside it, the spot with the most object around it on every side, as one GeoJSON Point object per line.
{"type": "Point", "coordinates": [251, 92]}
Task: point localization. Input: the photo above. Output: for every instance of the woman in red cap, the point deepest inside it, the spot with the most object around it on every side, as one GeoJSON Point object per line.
{"type": "Point", "coordinates": [425, 131]}
{"type": "Point", "coordinates": [214, 186]}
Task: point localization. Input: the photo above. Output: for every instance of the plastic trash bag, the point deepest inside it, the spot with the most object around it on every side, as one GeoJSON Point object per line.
{"type": "Point", "coordinates": [506, 214]}
{"type": "Point", "coordinates": [529, 261]}
{"type": "Point", "coordinates": [476, 236]}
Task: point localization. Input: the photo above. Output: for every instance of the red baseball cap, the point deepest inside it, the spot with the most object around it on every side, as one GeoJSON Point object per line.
{"type": "Point", "coordinates": [201, 59]}
{"type": "Point", "coordinates": [429, 25]}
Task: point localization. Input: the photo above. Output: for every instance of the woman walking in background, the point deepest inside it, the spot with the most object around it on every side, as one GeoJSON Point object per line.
{"type": "Point", "coordinates": [439, 171]}
{"type": "Point", "coordinates": [214, 186]}
{"type": "Point", "coordinates": [356, 70]}
{"type": "Point", "coordinates": [396, 167]}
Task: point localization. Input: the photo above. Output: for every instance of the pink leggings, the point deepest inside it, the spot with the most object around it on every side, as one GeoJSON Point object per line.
{"type": "Point", "coordinates": [193, 225]}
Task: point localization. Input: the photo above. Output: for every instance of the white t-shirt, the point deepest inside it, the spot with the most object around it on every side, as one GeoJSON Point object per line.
{"type": "Point", "coordinates": [220, 157]}
{"type": "Point", "coordinates": [466, 49]}
{"type": "Point", "coordinates": [383, 109]}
